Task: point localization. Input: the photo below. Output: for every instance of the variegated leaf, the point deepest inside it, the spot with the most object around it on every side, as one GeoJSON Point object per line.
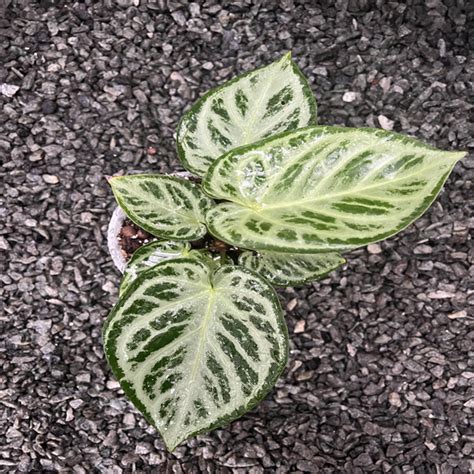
{"type": "Point", "coordinates": [148, 256]}
{"type": "Point", "coordinates": [324, 189]}
{"type": "Point", "coordinates": [195, 347]}
{"type": "Point", "coordinates": [287, 269]}
{"type": "Point", "coordinates": [164, 206]}
{"type": "Point", "coordinates": [260, 103]}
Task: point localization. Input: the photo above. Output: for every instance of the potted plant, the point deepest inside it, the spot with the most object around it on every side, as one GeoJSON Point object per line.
{"type": "Point", "coordinates": [198, 336]}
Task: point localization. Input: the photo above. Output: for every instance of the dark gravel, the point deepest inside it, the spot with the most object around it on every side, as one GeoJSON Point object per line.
{"type": "Point", "coordinates": [380, 375]}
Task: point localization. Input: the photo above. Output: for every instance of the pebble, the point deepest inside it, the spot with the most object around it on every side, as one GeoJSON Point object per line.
{"type": "Point", "coordinates": [292, 304]}
{"type": "Point", "coordinates": [350, 96]}
{"type": "Point", "coordinates": [112, 385]}
{"type": "Point", "coordinates": [385, 122]}
{"type": "Point", "coordinates": [321, 71]}
{"type": "Point", "coordinates": [50, 179]}
{"type": "Point", "coordinates": [300, 326]}
{"type": "Point", "coordinates": [129, 419]}
{"type": "Point", "coordinates": [4, 245]}
{"type": "Point", "coordinates": [94, 86]}
{"type": "Point", "coordinates": [9, 90]}
{"type": "Point", "coordinates": [75, 404]}
{"type": "Point", "coordinates": [31, 223]}
{"type": "Point", "coordinates": [470, 403]}
{"type": "Point", "coordinates": [423, 249]}
{"type": "Point", "coordinates": [53, 150]}
{"type": "Point", "coordinates": [363, 460]}
{"type": "Point", "coordinates": [48, 107]}
{"type": "Point", "coordinates": [36, 156]}
{"type": "Point", "coordinates": [431, 446]}
{"type": "Point", "coordinates": [440, 295]}
{"type": "Point", "coordinates": [385, 84]}
{"type": "Point", "coordinates": [394, 399]}
{"type": "Point", "coordinates": [374, 249]}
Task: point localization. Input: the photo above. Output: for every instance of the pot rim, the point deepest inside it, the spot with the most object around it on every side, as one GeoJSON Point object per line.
{"type": "Point", "coordinates": [113, 243]}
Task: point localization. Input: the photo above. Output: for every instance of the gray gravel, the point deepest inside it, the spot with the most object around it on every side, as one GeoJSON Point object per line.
{"type": "Point", "coordinates": [380, 375]}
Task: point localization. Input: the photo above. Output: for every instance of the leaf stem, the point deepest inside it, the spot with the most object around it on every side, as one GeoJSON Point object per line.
{"type": "Point", "coordinates": [222, 254]}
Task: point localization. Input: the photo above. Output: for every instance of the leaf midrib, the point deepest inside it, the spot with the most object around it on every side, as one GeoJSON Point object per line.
{"type": "Point", "coordinates": [188, 218]}
{"type": "Point", "coordinates": [328, 197]}
{"type": "Point", "coordinates": [197, 359]}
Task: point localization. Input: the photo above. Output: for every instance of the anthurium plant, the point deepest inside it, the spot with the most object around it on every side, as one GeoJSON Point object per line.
{"type": "Point", "coordinates": [198, 336]}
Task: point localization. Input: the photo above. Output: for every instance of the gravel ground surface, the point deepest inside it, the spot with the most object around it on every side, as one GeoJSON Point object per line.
{"type": "Point", "coordinates": [379, 378]}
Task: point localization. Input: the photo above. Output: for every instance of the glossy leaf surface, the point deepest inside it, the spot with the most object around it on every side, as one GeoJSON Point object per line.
{"type": "Point", "coordinates": [260, 103]}
{"type": "Point", "coordinates": [195, 347]}
{"type": "Point", "coordinates": [149, 255]}
{"type": "Point", "coordinates": [286, 269]}
{"type": "Point", "coordinates": [323, 189]}
{"type": "Point", "coordinates": [164, 206]}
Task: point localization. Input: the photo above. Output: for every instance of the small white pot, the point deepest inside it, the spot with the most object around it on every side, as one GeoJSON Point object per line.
{"type": "Point", "coordinates": [115, 226]}
{"type": "Point", "coordinates": [113, 243]}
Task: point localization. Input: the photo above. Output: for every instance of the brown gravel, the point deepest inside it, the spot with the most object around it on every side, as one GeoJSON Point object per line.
{"type": "Point", "coordinates": [132, 237]}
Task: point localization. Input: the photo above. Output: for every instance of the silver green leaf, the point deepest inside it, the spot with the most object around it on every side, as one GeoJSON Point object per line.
{"type": "Point", "coordinates": [195, 347]}
{"type": "Point", "coordinates": [165, 206]}
{"type": "Point", "coordinates": [323, 189]}
{"type": "Point", "coordinates": [260, 103]}
{"type": "Point", "coordinates": [286, 269]}
{"type": "Point", "coordinates": [148, 256]}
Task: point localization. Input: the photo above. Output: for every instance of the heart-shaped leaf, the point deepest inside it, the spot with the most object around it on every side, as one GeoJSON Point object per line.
{"type": "Point", "coordinates": [165, 206]}
{"type": "Point", "coordinates": [323, 189]}
{"type": "Point", "coordinates": [148, 256]}
{"type": "Point", "coordinates": [287, 269]}
{"type": "Point", "coordinates": [260, 103]}
{"type": "Point", "coordinates": [194, 347]}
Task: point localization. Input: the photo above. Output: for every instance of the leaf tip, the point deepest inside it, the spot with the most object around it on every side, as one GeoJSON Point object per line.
{"type": "Point", "coordinates": [286, 57]}
{"type": "Point", "coordinates": [459, 155]}
{"type": "Point", "coordinates": [172, 443]}
{"type": "Point", "coordinates": [112, 179]}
